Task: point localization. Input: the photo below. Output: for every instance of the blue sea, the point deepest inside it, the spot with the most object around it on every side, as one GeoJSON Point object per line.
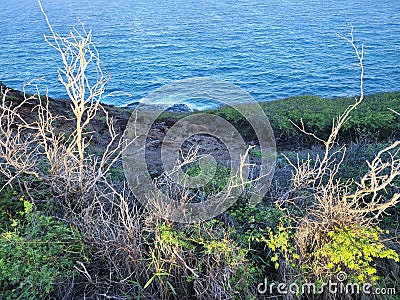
{"type": "Point", "coordinates": [272, 49]}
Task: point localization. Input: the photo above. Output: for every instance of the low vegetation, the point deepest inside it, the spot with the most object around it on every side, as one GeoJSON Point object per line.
{"type": "Point", "coordinates": [371, 119]}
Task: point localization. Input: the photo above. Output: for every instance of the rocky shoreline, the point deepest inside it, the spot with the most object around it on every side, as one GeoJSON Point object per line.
{"type": "Point", "coordinates": [120, 117]}
{"type": "Point", "coordinates": [373, 117]}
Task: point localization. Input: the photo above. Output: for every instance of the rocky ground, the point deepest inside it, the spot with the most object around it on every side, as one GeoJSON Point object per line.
{"type": "Point", "coordinates": [61, 107]}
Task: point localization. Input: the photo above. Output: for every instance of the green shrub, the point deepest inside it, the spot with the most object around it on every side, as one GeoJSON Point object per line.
{"type": "Point", "coordinates": [229, 114]}
{"type": "Point", "coordinates": [279, 241]}
{"type": "Point", "coordinates": [36, 253]}
{"type": "Point", "coordinates": [215, 185]}
{"type": "Point", "coordinates": [354, 250]}
{"type": "Point", "coordinates": [371, 117]}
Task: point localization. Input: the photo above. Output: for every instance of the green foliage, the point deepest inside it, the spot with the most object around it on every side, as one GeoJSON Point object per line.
{"type": "Point", "coordinates": [169, 115]}
{"type": "Point", "coordinates": [229, 114]}
{"type": "Point", "coordinates": [371, 117]}
{"type": "Point", "coordinates": [251, 220]}
{"type": "Point", "coordinates": [36, 252]}
{"type": "Point", "coordinates": [354, 250]}
{"type": "Point", "coordinates": [280, 242]}
{"type": "Point", "coordinates": [261, 228]}
{"type": "Point", "coordinates": [215, 185]}
{"type": "Point", "coordinates": [8, 204]}
{"type": "Point", "coordinates": [316, 113]}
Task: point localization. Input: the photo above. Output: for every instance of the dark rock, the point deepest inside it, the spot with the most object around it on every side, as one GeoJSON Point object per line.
{"type": "Point", "coordinates": [169, 122]}
{"type": "Point", "coordinates": [179, 108]}
{"type": "Point", "coordinates": [132, 105]}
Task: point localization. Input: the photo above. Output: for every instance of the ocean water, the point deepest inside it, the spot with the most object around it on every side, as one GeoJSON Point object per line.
{"type": "Point", "coordinates": [272, 49]}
